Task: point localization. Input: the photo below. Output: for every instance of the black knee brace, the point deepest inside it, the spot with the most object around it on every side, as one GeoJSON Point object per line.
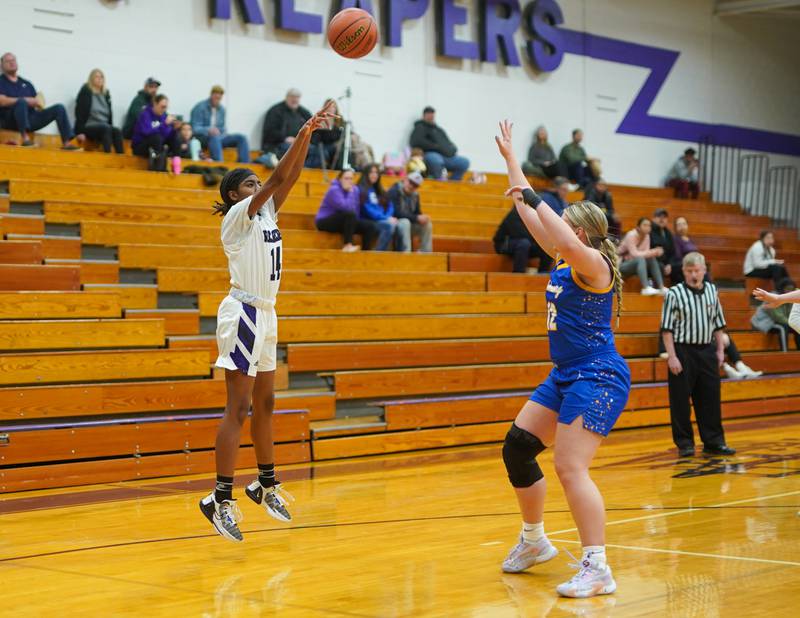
{"type": "Point", "coordinates": [519, 454]}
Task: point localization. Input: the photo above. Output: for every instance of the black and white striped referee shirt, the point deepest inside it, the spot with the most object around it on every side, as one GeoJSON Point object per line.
{"type": "Point", "coordinates": [692, 316]}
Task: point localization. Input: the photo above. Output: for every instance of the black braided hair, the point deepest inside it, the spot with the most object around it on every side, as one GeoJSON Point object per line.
{"type": "Point", "coordinates": [230, 182]}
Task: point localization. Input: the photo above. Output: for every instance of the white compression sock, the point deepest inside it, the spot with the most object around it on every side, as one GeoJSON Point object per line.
{"type": "Point", "coordinates": [532, 533]}
{"type": "Point", "coordinates": [596, 554]}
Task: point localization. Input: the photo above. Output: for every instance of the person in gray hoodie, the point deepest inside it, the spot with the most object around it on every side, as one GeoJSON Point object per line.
{"type": "Point", "coordinates": [542, 160]}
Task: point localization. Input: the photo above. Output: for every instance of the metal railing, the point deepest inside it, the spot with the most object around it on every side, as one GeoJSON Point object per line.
{"type": "Point", "coordinates": [719, 169]}
{"type": "Point", "coordinates": [751, 187]}
{"type": "Point", "coordinates": [782, 195]}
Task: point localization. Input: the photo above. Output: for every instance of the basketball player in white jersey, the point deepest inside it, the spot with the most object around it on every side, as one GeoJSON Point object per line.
{"type": "Point", "coordinates": [247, 329]}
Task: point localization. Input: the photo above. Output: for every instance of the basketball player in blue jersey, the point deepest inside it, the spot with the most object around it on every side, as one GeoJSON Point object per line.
{"type": "Point", "coordinates": [586, 391]}
{"type": "Point", "coordinates": [247, 329]}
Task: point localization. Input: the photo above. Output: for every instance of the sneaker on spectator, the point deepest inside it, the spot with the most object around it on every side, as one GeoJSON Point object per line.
{"type": "Point", "coordinates": [71, 147]}
{"type": "Point", "coordinates": [731, 372]}
{"type": "Point", "coordinates": [746, 372]}
{"type": "Point", "coordinates": [649, 291]}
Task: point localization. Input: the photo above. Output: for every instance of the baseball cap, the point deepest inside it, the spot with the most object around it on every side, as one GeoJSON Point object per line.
{"type": "Point", "coordinates": [415, 178]}
{"type": "Point", "coordinates": [661, 212]}
{"type": "Point", "coordinates": [152, 81]}
{"type": "Point", "coordinates": [428, 110]}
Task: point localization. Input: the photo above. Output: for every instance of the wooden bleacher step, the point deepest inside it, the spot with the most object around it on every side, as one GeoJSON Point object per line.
{"type": "Point", "coordinates": [176, 321]}
{"type": "Point", "coordinates": [55, 305]}
{"type": "Point", "coordinates": [91, 271]}
{"type": "Point", "coordinates": [131, 295]}
{"type": "Point", "coordinates": [58, 247]}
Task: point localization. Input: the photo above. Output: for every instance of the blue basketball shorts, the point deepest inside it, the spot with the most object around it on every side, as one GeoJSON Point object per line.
{"type": "Point", "coordinates": [596, 388]}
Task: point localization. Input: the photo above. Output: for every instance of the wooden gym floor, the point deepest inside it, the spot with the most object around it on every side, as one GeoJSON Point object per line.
{"type": "Point", "coordinates": [422, 534]}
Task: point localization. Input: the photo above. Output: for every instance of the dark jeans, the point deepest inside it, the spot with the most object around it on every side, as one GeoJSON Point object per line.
{"type": "Point", "coordinates": [157, 143]}
{"type": "Point", "coordinates": [106, 135]}
{"type": "Point", "coordinates": [22, 118]}
{"type": "Point", "coordinates": [522, 250]}
{"type": "Point", "coordinates": [348, 224]}
{"type": "Point", "coordinates": [776, 272]}
{"type": "Point", "coordinates": [581, 174]}
{"type": "Point", "coordinates": [699, 381]}
{"type": "Point", "coordinates": [684, 188]}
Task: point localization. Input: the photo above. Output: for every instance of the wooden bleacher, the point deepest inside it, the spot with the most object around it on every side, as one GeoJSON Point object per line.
{"type": "Point", "coordinates": [102, 382]}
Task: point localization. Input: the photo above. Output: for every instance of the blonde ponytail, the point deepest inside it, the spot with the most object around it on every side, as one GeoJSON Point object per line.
{"type": "Point", "coordinates": [588, 216]}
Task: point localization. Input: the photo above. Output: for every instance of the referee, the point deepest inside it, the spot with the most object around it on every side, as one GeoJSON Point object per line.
{"type": "Point", "coordinates": [692, 327]}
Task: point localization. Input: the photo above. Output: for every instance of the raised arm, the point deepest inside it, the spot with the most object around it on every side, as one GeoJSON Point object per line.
{"type": "Point", "coordinates": [585, 260]}
{"type": "Point", "coordinates": [280, 183]}
{"type": "Point", "coordinates": [516, 178]}
{"type": "Point", "coordinates": [775, 300]}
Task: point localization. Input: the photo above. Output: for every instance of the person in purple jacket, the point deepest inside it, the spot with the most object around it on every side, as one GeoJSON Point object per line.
{"type": "Point", "coordinates": [339, 212]}
{"type": "Point", "coordinates": [154, 132]}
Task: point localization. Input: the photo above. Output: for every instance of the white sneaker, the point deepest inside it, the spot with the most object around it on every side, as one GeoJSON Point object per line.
{"type": "Point", "coordinates": [590, 580]}
{"type": "Point", "coordinates": [662, 291]}
{"type": "Point", "coordinates": [649, 291]}
{"type": "Point", "coordinates": [524, 555]}
{"type": "Point", "coordinates": [224, 516]}
{"type": "Point", "coordinates": [271, 498]}
{"type": "Point", "coordinates": [663, 355]}
{"type": "Point", "coordinates": [731, 372]}
{"type": "Point", "coordinates": [746, 372]}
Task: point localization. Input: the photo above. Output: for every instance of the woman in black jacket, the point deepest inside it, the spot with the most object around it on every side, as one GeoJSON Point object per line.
{"type": "Point", "coordinates": [93, 117]}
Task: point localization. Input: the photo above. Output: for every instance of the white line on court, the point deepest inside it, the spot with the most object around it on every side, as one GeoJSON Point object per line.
{"type": "Point", "coordinates": [683, 511]}
{"type": "Point", "coordinates": [690, 553]}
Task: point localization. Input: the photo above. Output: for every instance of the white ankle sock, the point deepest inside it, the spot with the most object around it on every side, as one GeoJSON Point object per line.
{"type": "Point", "coordinates": [596, 554]}
{"type": "Point", "coordinates": [532, 533]}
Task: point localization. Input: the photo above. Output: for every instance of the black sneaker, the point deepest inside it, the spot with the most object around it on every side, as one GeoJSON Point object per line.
{"type": "Point", "coordinates": [271, 498]}
{"type": "Point", "coordinates": [686, 451]}
{"type": "Point", "coordinates": [224, 516]}
{"type": "Point", "coordinates": [718, 449]}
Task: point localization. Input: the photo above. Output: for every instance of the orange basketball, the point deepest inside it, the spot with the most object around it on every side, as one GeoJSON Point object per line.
{"type": "Point", "coordinates": [352, 33]}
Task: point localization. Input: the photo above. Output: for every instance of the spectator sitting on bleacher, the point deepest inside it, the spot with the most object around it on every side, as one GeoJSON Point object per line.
{"type": "Point", "coordinates": [186, 145]}
{"type": "Point", "coordinates": [281, 123]}
{"type": "Point", "coordinates": [776, 319]}
{"type": "Point", "coordinates": [599, 194]}
{"type": "Point", "coordinates": [542, 160]}
{"type": "Point", "coordinates": [639, 259]}
{"type": "Point", "coordinates": [556, 197]}
{"type": "Point", "coordinates": [661, 236]}
{"type": "Point", "coordinates": [22, 108]}
{"type": "Point", "coordinates": [375, 205]}
{"type": "Point", "coordinates": [683, 246]}
{"type": "Point", "coordinates": [154, 133]}
{"type": "Point", "coordinates": [581, 168]}
{"type": "Point", "coordinates": [410, 221]}
{"type": "Point", "coordinates": [760, 261]}
{"type": "Point", "coordinates": [142, 99]}
{"type": "Point", "coordinates": [328, 141]}
{"type": "Point", "coordinates": [208, 125]}
{"type": "Point", "coordinates": [440, 152]}
{"type": "Point", "coordinates": [93, 116]}
{"type": "Point", "coordinates": [339, 212]}
{"type": "Point", "coordinates": [685, 175]}
{"type": "Point", "coordinates": [513, 238]}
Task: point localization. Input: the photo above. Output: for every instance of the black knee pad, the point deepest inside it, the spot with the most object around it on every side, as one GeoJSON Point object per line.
{"type": "Point", "coordinates": [520, 450]}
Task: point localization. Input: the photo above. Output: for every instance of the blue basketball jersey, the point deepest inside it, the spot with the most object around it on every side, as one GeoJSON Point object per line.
{"type": "Point", "coordinates": [578, 316]}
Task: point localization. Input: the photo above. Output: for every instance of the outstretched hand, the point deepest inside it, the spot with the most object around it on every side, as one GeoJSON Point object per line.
{"type": "Point", "coordinates": [321, 118]}
{"type": "Point", "coordinates": [768, 298]}
{"type": "Point", "coordinates": [504, 144]}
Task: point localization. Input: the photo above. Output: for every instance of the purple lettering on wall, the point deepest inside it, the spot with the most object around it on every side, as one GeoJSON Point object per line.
{"type": "Point", "coordinates": [221, 9]}
{"type": "Point", "coordinates": [500, 21]}
{"type": "Point", "coordinates": [288, 18]}
{"type": "Point", "coordinates": [546, 50]}
{"type": "Point", "coordinates": [357, 4]}
{"type": "Point", "coordinates": [398, 11]}
{"type": "Point", "coordinates": [448, 16]}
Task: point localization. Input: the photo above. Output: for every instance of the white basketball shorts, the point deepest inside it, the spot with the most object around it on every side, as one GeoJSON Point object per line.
{"type": "Point", "coordinates": [247, 337]}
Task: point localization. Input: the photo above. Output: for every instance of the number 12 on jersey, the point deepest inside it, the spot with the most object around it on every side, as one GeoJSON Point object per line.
{"type": "Point", "coordinates": [275, 253]}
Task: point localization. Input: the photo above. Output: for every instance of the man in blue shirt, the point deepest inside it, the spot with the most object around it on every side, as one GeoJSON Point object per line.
{"type": "Point", "coordinates": [21, 109]}
{"type": "Point", "coordinates": [557, 197]}
{"type": "Point", "coordinates": [208, 124]}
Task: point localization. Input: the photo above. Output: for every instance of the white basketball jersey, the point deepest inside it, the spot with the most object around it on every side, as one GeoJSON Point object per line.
{"type": "Point", "coordinates": [253, 247]}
